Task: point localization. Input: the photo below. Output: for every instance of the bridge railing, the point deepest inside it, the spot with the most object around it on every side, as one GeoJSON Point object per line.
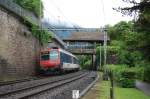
{"type": "Point", "coordinates": [81, 47]}
{"type": "Point", "coordinates": [13, 7]}
{"type": "Point", "coordinates": [83, 51]}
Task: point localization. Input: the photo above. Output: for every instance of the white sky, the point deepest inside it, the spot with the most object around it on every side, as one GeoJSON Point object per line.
{"type": "Point", "coordinates": [85, 13]}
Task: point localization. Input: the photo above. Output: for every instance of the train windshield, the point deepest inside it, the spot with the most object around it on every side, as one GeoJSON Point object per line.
{"type": "Point", "coordinates": [45, 55]}
{"type": "Point", "coordinates": [53, 55]}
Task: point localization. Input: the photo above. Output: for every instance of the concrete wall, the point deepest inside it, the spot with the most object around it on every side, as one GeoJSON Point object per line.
{"type": "Point", "coordinates": [19, 50]}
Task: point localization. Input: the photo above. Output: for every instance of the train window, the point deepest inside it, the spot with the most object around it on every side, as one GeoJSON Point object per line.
{"type": "Point", "coordinates": [53, 55]}
{"type": "Point", "coordinates": [45, 57]}
{"type": "Point", "coordinates": [65, 58]}
{"type": "Point", "coordinates": [76, 61]}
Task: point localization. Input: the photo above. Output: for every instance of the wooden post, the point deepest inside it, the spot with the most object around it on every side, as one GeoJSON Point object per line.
{"type": "Point", "coordinates": [112, 85]}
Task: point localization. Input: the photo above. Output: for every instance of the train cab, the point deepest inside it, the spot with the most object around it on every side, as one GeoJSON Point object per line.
{"type": "Point", "coordinates": [49, 58]}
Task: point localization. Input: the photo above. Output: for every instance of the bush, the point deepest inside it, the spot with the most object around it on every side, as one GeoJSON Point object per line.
{"type": "Point", "coordinates": [139, 72]}
{"type": "Point", "coordinates": [127, 78]}
{"type": "Point", "coordinates": [123, 75]}
{"type": "Point", "coordinates": [127, 83]}
{"type": "Point", "coordinates": [143, 71]}
{"type": "Point", "coordinates": [128, 73]}
{"type": "Point", "coordinates": [85, 62]}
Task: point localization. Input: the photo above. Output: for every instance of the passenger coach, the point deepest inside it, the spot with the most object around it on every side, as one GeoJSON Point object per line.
{"type": "Point", "coordinates": [56, 59]}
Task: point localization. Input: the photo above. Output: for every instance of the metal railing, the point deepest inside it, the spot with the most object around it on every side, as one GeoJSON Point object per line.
{"type": "Point", "coordinates": [13, 7]}
{"type": "Point", "coordinates": [27, 15]}
{"type": "Point", "coordinates": [72, 46]}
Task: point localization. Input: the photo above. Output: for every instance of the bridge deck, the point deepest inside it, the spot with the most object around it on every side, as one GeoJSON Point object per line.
{"type": "Point", "coordinates": [82, 51]}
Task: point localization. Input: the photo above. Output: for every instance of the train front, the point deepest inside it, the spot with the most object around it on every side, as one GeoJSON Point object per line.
{"type": "Point", "coordinates": [49, 59]}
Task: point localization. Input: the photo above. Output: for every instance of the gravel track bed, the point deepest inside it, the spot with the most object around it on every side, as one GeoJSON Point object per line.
{"type": "Point", "coordinates": [65, 91]}
{"type": "Point", "coordinates": [6, 89]}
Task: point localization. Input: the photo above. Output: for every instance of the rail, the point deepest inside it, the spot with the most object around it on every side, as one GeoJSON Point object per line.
{"type": "Point", "coordinates": [10, 89]}
{"type": "Point", "coordinates": [36, 89]}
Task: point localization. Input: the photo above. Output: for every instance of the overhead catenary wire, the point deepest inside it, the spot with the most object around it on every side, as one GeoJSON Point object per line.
{"type": "Point", "coordinates": [62, 12]}
{"type": "Point", "coordinates": [66, 19]}
{"type": "Point", "coordinates": [52, 27]}
{"type": "Point", "coordinates": [48, 20]}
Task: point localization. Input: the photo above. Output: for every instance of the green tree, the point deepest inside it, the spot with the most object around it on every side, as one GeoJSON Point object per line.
{"type": "Point", "coordinates": [85, 61]}
{"type": "Point", "coordinates": [137, 51]}
{"type": "Point", "coordinates": [125, 43]}
{"type": "Point", "coordinates": [142, 24]}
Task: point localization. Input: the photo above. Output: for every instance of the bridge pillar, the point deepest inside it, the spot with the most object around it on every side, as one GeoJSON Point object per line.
{"type": "Point", "coordinates": [93, 62]}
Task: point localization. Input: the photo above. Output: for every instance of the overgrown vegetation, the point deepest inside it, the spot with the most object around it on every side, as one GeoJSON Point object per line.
{"type": "Point", "coordinates": [124, 75]}
{"type": "Point", "coordinates": [137, 43]}
{"type": "Point", "coordinates": [36, 6]}
{"type": "Point", "coordinates": [42, 35]}
{"type": "Point", "coordinates": [128, 46]}
{"type": "Point", "coordinates": [125, 43]}
{"type": "Point", "coordinates": [85, 61]}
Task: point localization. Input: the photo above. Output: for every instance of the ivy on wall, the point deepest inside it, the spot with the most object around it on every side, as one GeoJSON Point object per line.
{"type": "Point", "coordinates": [36, 7]}
{"type": "Point", "coordinates": [43, 35]}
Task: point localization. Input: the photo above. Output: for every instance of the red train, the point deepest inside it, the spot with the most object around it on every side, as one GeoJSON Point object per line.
{"type": "Point", "coordinates": [56, 59]}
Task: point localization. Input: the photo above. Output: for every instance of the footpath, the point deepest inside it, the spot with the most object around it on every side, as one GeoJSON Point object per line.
{"type": "Point", "coordinates": [143, 86]}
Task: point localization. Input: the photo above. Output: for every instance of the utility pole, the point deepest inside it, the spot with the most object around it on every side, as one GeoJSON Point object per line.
{"type": "Point", "coordinates": [100, 56]}
{"type": "Point", "coordinates": [105, 47]}
{"type": "Point", "coordinates": [105, 54]}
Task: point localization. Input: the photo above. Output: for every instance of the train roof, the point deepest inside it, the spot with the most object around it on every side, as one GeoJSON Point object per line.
{"type": "Point", "coordinates": [61, 50]}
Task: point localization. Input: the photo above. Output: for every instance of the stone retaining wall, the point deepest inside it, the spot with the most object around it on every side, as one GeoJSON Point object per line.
{"type": "Point", "coordinates": [19, 50]}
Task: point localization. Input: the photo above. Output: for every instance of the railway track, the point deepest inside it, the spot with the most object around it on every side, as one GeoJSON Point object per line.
{"type": "Point", "coordinates": [31, 88]}
{"type": "Point", "coordinates": [19, 81]}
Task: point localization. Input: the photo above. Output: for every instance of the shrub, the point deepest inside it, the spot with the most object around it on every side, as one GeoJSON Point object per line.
{"type": "Point", "coordinates": [127, 78]}
{"type": "Point", "coordinates": [127, 83]}
{"type": "Point", "coordinates": [143, 71]}
{"type": "Point", "coordinates": [139, 72]}
{"type": "Point", "coordinates": [128, 73]}
{"type": "Point", "coordinates": [123, 75]}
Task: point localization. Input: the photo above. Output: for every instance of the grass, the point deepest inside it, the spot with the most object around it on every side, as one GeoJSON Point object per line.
{"type": "Point", "coordinates": [129, 93]}
{"type": "Point", "coordinates": [99, 91]}
{"type": "Point", "coordinates": [120, 93]}
{"type": "Point", "coordinates": [104, 90]}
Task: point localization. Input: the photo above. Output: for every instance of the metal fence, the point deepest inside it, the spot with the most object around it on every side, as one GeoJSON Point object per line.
{"type": "Point", "coordinates": [13, 7]}
{"type": "Point", "coordinates": [25, 14]}
{"type": "Point", "coordinates": [75, 46]}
